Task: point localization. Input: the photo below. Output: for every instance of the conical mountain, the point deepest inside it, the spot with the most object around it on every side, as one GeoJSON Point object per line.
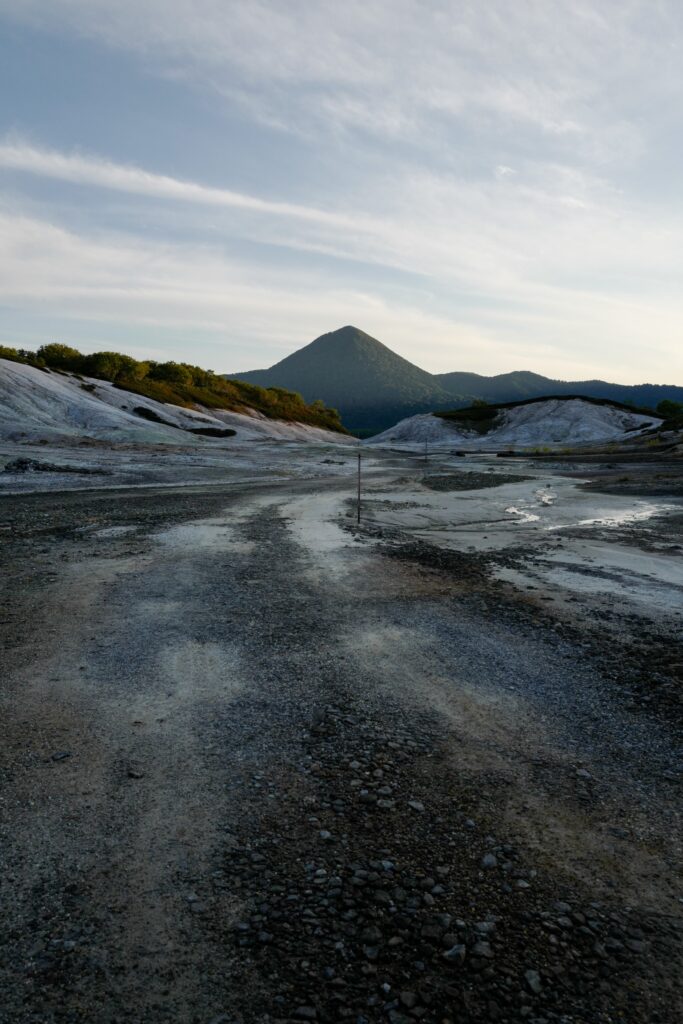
{"type": "Point", "coordinates": [369, 384]}
{"type": "Point", "coordinates": [373, 388]}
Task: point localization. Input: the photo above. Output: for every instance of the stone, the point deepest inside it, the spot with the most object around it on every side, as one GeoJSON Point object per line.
{"type": "Point", "coordinates": [485, 927]}
{"type": "Point", "coordinates": [533, 981]}
{"type": "Point", "coordinates": [489, 860]}
{"type": "Point", "coordinates": [456, 954]}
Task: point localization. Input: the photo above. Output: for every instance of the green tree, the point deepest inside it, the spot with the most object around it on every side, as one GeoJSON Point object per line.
{"type": "Point", "coordinates": [669, 410]}
{"type": "Point", "coordinates": [61, 357]}
{"type": "Point", "coordinates": [114, 366]}
{"type": "Point", "coordinates": [171, 372]}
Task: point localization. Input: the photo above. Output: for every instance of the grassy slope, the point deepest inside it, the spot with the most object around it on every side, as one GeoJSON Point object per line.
{"type": "Point", "coordinates": [214, 392]}
{"type": "Point", "coordinates": [236, 396]}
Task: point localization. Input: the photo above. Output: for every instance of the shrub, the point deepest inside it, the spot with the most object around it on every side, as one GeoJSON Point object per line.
{"type": "Point", "coordinates": [182, 384]}
{"type": "Point", "coordinates": [60, 357]}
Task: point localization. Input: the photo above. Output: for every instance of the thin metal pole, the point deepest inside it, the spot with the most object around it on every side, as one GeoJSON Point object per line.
{"type": "Point", "coordinates": [358, 504]}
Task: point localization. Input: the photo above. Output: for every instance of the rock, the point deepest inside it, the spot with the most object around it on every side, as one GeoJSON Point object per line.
{"type": "Point", "coordinates": [485, 927]}
{"type": "Point", "coordinates": [133, 773]}
{"type": "Point", "coordinates": [489, 860]}
{"type": "Point", "coordinates": [60, 755]}
{"type": "Point", "coordinates": [482, 949]}
{"type": "Point", "coordinates": [305, 1013]}
{"type": "Point", "coordinates": [533, 981]}
{"type": "Point", "coordinates": [325, 835]}
{"type": "Point", "coordinates": [456, 954]}
{"type": "Point", "coordinates": [636, 946]}
{"type": "Point", "coordinates": [416, 805]}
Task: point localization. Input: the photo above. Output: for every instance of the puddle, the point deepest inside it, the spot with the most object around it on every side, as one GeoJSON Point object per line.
{"type": "Point", "coordinates": [114, 531]}
{"type": "Point", "coordinates": [621, 518]}
{"type": "Point", "coordinates": [215, 534]}
{"type": "Point", "coordinates": [525, 516]}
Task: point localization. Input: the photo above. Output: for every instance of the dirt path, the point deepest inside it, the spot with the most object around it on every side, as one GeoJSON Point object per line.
{"type": "Point", "coordinates": [258, 769]}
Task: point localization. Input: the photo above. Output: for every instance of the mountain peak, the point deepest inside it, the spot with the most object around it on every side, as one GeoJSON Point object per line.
{"type": "Point", "coordinates": [373, 387]}
{"type": "Point", "coordinates": [357, 372]}
{"type": "Point", "coordinates": [348, 336]}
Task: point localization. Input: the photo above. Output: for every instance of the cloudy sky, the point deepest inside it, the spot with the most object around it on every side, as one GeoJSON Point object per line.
{"type": "Point", "coordinates": [482, 186]}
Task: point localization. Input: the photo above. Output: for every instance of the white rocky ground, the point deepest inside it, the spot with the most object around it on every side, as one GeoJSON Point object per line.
{"type": "Point", "coordinates": [555, 421]}
{"type": "Point", "coordinates": [48, 405]}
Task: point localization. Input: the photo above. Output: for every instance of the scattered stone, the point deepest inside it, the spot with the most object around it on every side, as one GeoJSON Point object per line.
{"type": "Point", "coordinates": [305, 1013]}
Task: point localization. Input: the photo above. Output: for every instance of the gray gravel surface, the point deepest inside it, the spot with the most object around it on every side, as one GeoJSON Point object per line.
{"type": "Point", "coordinates": [248, 780]}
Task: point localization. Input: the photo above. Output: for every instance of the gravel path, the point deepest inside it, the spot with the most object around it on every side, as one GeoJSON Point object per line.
{"type": "Point", "coordinates": [258, 768]}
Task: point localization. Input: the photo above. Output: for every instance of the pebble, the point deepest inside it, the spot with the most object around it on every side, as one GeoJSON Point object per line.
{"type": "Point", "coordinates": [305, 1013]}
{"type": "Point", "coordinates": [456, 954]}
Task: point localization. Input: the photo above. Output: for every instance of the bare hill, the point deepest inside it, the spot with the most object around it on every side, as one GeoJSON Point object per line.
{"type": "Point", "coordinates": [530, 423]}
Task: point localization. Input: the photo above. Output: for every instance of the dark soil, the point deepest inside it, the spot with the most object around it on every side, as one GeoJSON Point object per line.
{"type": "Point", "coordinates": [470, 481]}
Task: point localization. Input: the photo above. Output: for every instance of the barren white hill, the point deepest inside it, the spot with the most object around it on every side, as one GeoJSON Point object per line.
{"type": "Point", "coordinates": [40, 404]}
{"type": "Point", "coordinates": [546, 422]}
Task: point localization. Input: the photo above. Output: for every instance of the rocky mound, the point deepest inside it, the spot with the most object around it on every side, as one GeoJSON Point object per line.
{"type": "Point", "coordinates": [550, 421]}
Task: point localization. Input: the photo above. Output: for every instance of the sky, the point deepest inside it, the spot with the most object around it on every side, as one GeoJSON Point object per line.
{"type": "Point", "coordinates": [481, 186]}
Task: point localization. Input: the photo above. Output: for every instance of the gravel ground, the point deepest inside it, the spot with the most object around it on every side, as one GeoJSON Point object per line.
{"type": "Point", "coordinates": [251, 775]}
{"type": "Point", "coordinates": [470, 480]}
{"type": "Point", "coordinates": [641, 480]}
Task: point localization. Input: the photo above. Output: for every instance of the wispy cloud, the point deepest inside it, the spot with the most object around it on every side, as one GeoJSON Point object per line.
{"type": "Point", "coordinates": [567, 71]}
{"type": "Point", "coordinates": [127, 280]}
{"type": "Point", "coordinates": [86, 170]}
{"type": "Point", "coordinates": [498, 184]}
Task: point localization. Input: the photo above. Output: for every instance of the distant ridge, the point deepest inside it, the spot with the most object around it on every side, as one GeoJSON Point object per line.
{"type": "Point", "coordinates": [520, 384]}
{"type": "Point", "coordinates": [373, 387]}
